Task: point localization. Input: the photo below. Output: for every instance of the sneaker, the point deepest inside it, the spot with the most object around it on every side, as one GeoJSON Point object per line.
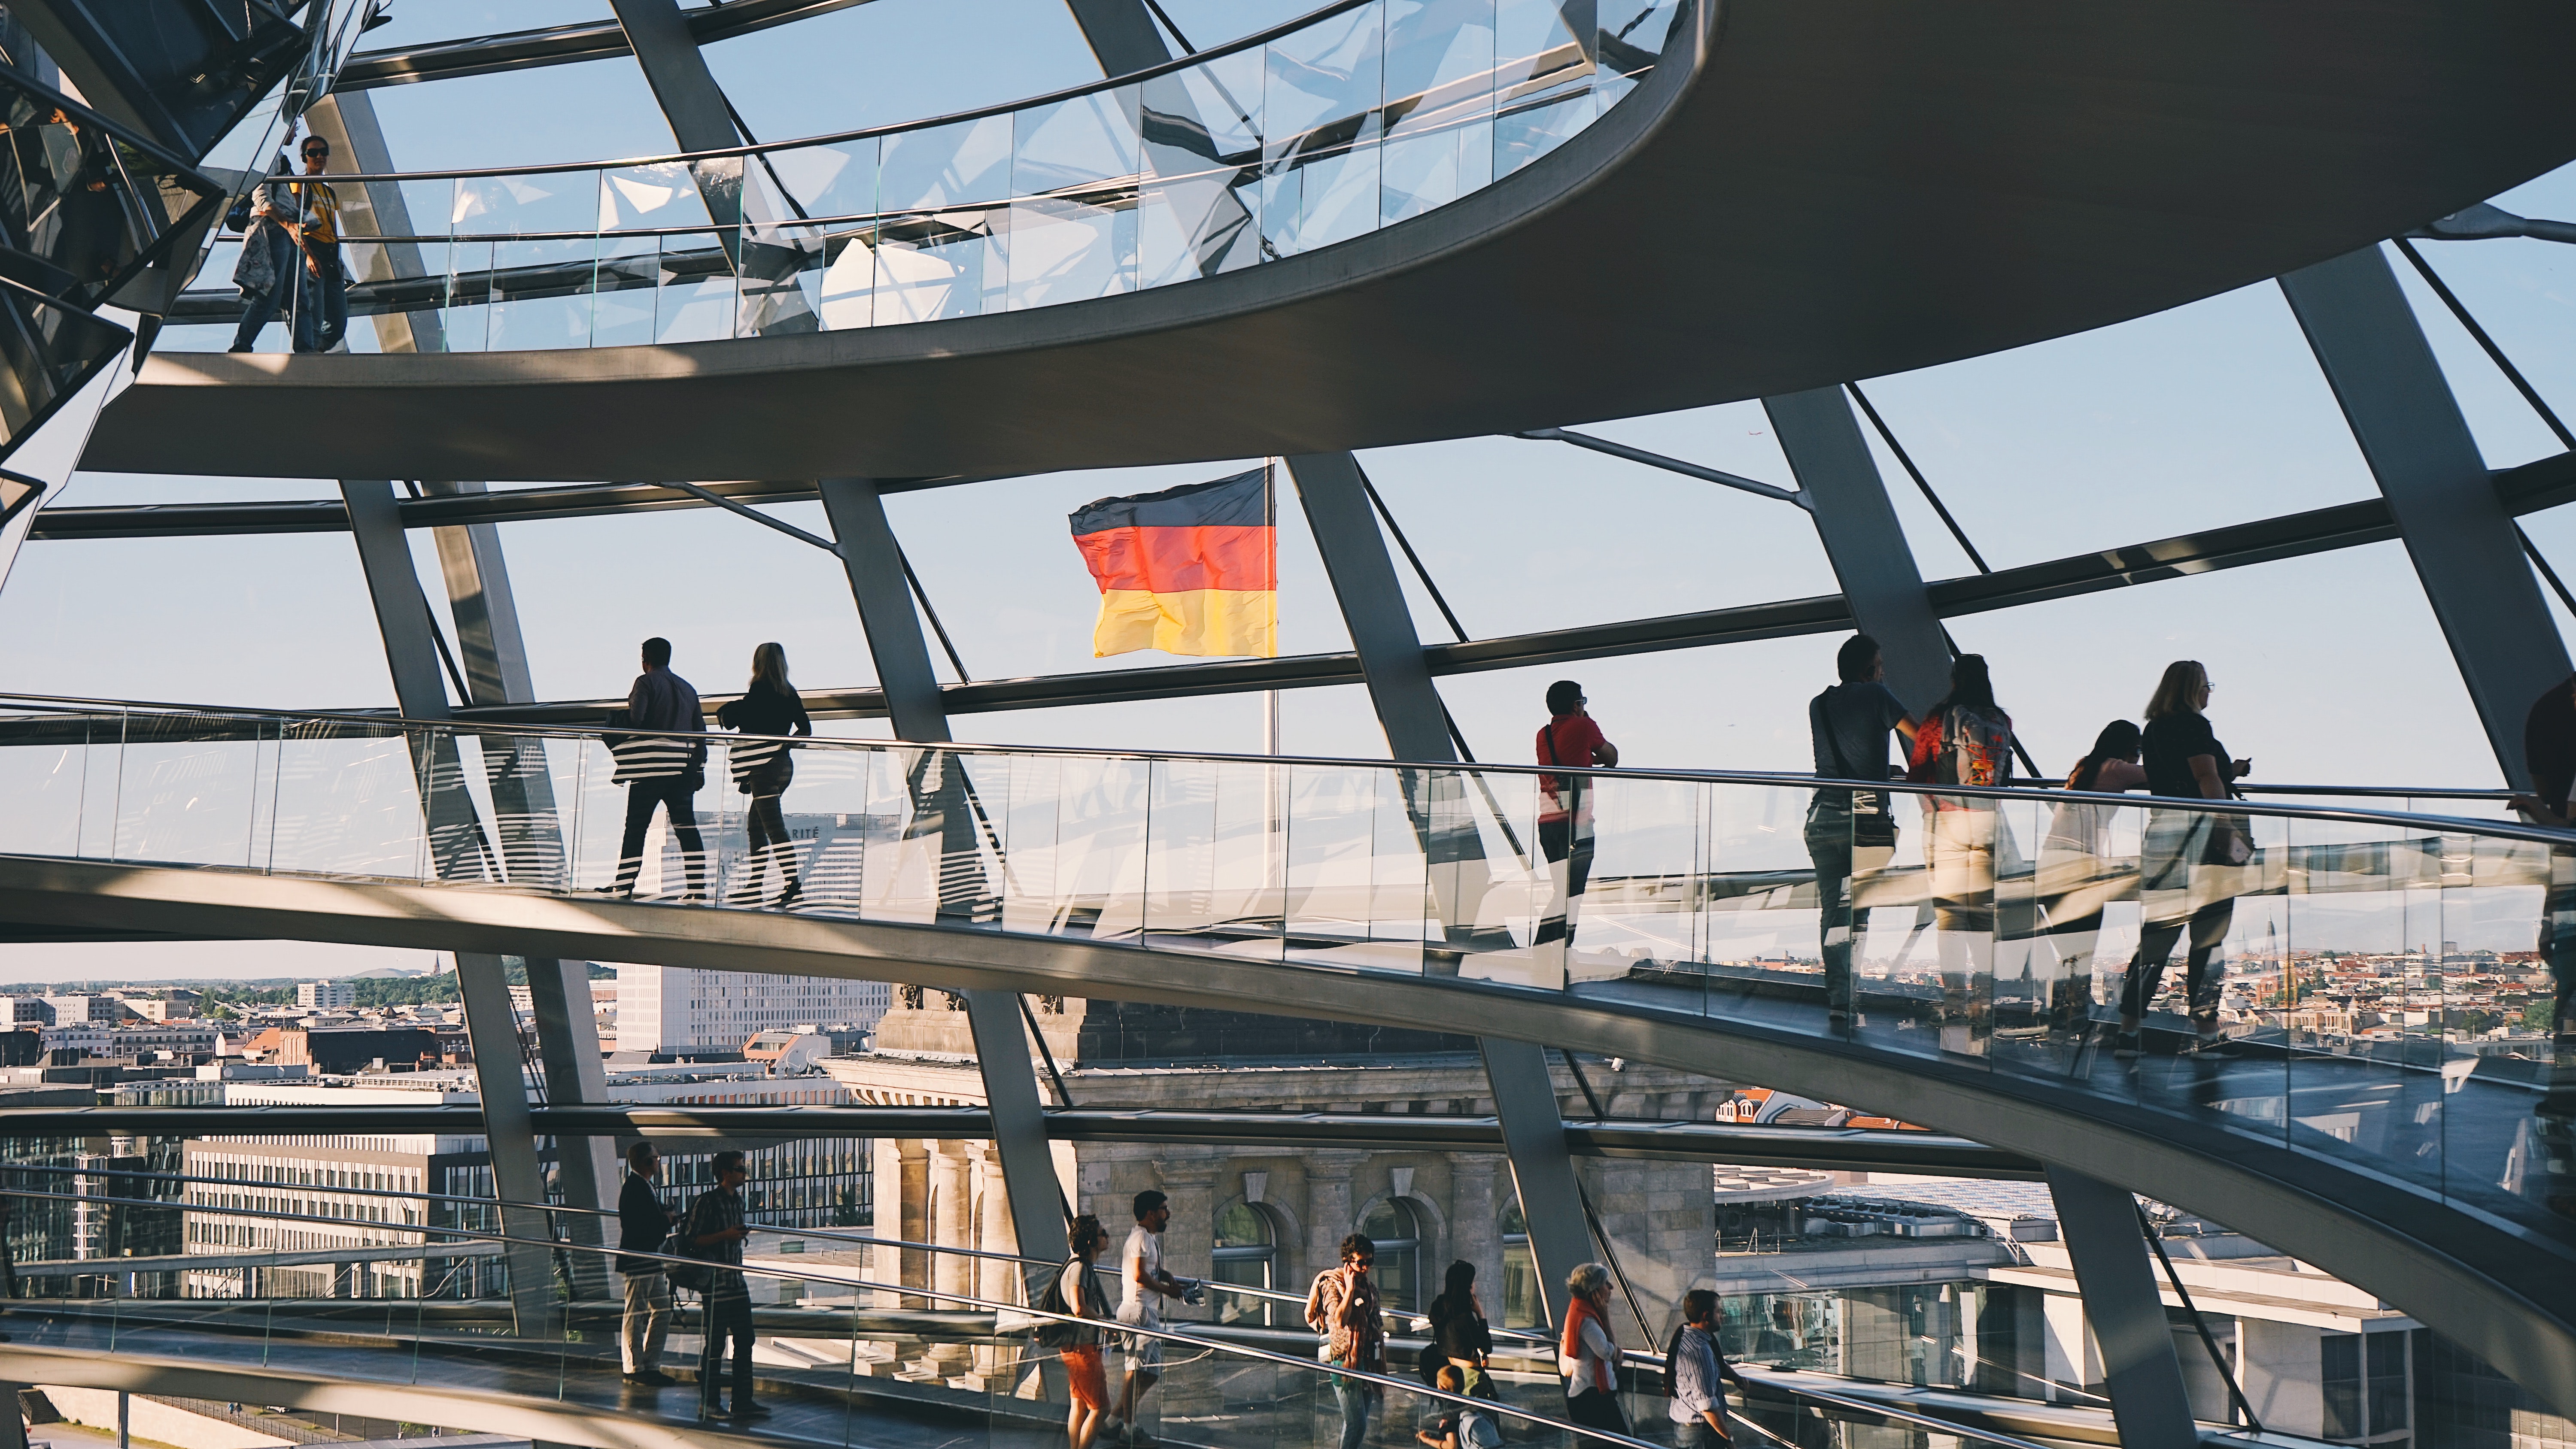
{"type": "Point", "coordinates": [2125, 1046]}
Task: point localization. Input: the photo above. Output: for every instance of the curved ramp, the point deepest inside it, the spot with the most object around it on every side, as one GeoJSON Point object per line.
{"type": "Point", "coordinates": [1799, 195]}
{"type": "Point", "coordinates": [2506, 1292]}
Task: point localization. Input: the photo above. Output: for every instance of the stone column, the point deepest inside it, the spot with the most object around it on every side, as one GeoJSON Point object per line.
{"type": "Point", "coordinates": [952, 1181]}
{"type": "Point", "coordinates": [1328, 1208]}
{"type": "Point", "coordinates": [995, 1278]}
{"type": "Point", "coordinates": [1189, 1178]}
{"type": "Point", "coordinates": [1475, 1224]}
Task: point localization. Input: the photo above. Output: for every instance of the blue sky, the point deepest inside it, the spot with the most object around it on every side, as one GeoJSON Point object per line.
{"type": "Point", "coordinates": [2329, 669]}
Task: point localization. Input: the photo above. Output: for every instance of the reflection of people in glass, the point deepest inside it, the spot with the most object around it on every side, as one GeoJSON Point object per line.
{"type": "Point", "coordinates": [2549, 754]}
{"type": "Point", "coordinates": [1966, 739]}
{"type": "Point", "coordinates": [1565, 812]}
{"type": "Point", "coordinates": [2074, 867]}
{"type": "Point", "coordinates": [1850, 831]}
{"type": "Point", "coordinates": [762, 770]}
{"type": "Point", "coordinates": [2183, 759]}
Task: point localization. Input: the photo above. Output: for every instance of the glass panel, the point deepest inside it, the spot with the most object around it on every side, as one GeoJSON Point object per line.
{"type": "Point", "coordinates": [1322, 118]}
{"type": "Point", "coordinates": [1075, 235]}
{"type": "Point", "coordinates": [1542, 80]}
{"type": "Point", "coordinates": [1439, 103]}
{"type": "Point", "coordinates": [1201, 131]}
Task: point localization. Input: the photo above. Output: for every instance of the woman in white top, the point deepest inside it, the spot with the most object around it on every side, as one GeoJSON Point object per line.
{"type": "Point", "coordinates": [2075, 871]}
{"type": "Point", "coordinates": [1588, 1355]}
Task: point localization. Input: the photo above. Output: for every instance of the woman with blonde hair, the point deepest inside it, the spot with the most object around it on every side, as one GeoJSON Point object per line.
{"type": "Point", "coordinates": [762, 769]}
{"type": "Point", "coordinates": [1588, 1355]}
{"type": "Point", "coordinates": [2183, 760]}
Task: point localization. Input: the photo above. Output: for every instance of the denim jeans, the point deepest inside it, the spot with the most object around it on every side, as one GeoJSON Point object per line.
{"type": "Point", "coordinates": [322, 306]}
{"type": "Point", "coordinates": [1356, 1399]}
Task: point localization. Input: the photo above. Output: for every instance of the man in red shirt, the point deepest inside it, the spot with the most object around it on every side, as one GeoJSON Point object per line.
{"type": "Point", "coordinates": [1565, 801]}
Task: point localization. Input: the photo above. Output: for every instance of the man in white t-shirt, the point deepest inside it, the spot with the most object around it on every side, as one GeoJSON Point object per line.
{"type": "Point", "coordinates": [1145, 1285]}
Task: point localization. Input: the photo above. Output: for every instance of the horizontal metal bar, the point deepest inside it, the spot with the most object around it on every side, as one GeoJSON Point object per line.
{"type": "Point", "coordinates": [1669, 465]}
{"type": "Point", "coordinates": [1840, 1149]}
{"type": "Point", "coordinates": [559, 44]}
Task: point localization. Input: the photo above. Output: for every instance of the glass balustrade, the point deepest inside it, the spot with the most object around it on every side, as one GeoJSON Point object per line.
{"type": "Point", "coordinates": [2377, 988]}
{"type": "Point", "coordinates": [1358, 117]}
{"type": "Point", "coordinates": [857, 1339]}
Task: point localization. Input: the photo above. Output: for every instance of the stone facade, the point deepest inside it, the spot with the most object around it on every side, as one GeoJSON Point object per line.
{"type": "Point", "coordinates": [1122, 1056]}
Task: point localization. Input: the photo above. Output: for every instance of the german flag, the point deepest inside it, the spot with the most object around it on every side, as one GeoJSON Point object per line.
{"type": "Point", "coordinates": [1189, 570]}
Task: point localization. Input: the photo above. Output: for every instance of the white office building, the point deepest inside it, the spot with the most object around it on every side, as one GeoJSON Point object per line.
{"type": "Point", "coordinates": [674, 1010]}
{"type": "Point", "coordinates": [325, 995]}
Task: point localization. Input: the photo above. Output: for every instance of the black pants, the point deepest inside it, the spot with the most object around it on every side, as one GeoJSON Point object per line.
{"type": "Point", "coordinates": [674, 794]}
{"type": "Point", "coordinates": [2156, 939]}
{"type": "Point", "coordinates": [1829, 846]}
{"type": "Point", "coordinates": [1595, 1409]}
{"type": "Point", "coordinates": [1557, 840]}
{"type": "Point", "coordinates": [725, 1318]}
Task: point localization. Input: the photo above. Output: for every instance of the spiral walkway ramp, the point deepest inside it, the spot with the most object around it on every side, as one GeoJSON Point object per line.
{"type": "Point", "coordinates": [1377, 222]}
{"type": "Point", "coordinates": [1780, 197]}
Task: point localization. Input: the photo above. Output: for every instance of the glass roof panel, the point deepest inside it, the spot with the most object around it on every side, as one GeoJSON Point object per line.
{"type": "Point", "coordinates": [898, 60]}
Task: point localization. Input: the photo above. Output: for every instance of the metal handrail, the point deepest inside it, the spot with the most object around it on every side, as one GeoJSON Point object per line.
{"type": "Point", "coordinates": [396, 1252]}
{"type": "Point", "coordinates": [1002, 108]}
{"type": "Point", "coordinates": [2511, 830]}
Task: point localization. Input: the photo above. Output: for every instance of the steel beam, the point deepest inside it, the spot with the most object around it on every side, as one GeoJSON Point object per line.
{"type": "Point", "coordinates": [2141, 1372]}
{"type": "Point", "coordinates": [1542, 1167]}
{"type": "Point", "coordinates": [1122, 36]}
{"type": "Point", "coordinates": [491, 1025]}
{"type": "Point", "coordinates": [2457, 531]}
{"type": "Point", "coordinates": [673, 66]}
{"type": "Point", "coordinates": [500, 1080]}
{"type": "Point", "coordinates": [1373, 607]}
{"type": "Point", "coordinates": [874, 562]}
{"type": "Point", "coordinates": [1409, 709]}
{"type": "Point", "coordinates": [875, 566]}
{"type": "Point", "coordinates": [1872, 561]}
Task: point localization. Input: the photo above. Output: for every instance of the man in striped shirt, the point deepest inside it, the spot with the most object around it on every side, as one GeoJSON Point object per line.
{"type": "Point", "coordinates": [664, 703]}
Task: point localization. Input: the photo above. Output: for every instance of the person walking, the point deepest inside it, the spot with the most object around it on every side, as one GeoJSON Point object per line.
{"type": "Point", "coordinates": [1850, 832]}
{"type": "Point", "coordinates": [762, 769]}
{"type": "Point", "coordinates": [2183, 760]}
{"type": "Point", "coordinates": [1588, 1355]}
{"type": "Point", "coordinates": [1078, 1290]}
{"type": "Point", "coordinates": [2549, 756]}
{"type": "Point", "coordinates": [1694, 1371]}
{"type": "Point", "coordinates": [1966, 739]}
{"type": "Point", "coordinates": [1461, 1336]}
{"type": "Point", "coordinates": [322, 308]}
{"type": "Point", "coordinates": [1342, 1304]}
{"type": "Point", "coordinates": [2075, 875]}
{"type": "Point", "coordinates": [643, 1227]}
{"type": "Point", "coordinates": [662, 774]}
{"type": "Point", "coordinates": [715, 1230]}
{"type": "Point", "coordinates": [1144, 1285]}
{"type": "Point", "coordinates": [1569, 738]}
{"type": "Point", "coordinates": [267, 271]}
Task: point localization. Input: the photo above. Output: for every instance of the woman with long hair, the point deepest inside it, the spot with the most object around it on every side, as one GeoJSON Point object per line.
{"type": "Point", "coordinates": [1460, 1334]}
{"type": "Point", "coordinates": [1078, 1289]}
{"type": "Point", "coordinates": [1966, 739]}
{"type": "Point", "coordinates": [762, 769]}
{"type": "Point", "coordinates": [2074, 875]}
{"type": "Point", "coordinates": [2183, 759]}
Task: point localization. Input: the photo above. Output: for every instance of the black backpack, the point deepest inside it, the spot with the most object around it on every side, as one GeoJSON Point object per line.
{"type": "Point", "coordinates": [695, 1275]}
{"type": "Point", "coordinates": [1057, 1332]}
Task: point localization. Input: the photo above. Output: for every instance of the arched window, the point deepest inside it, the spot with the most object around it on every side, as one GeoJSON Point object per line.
{"type": "Point", "coordinates": [1521, 1301]}
{"type": "Point", "coordinates": [1246, 1254]}
{"type": "Point", "coordinates": [1397, 1232]}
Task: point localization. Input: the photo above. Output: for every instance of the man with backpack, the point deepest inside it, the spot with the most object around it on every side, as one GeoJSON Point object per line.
{"type": "Point", "coordinates": [1693, 1370]}
{"type": "Point", "coordinates": [1850, 831]}
{"type": "Point", "coordinates": [714, 1233]}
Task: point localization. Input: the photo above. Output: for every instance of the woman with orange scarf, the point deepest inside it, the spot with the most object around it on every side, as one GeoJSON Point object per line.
{"type": "Point", "coordinates": [1588, 1355]}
